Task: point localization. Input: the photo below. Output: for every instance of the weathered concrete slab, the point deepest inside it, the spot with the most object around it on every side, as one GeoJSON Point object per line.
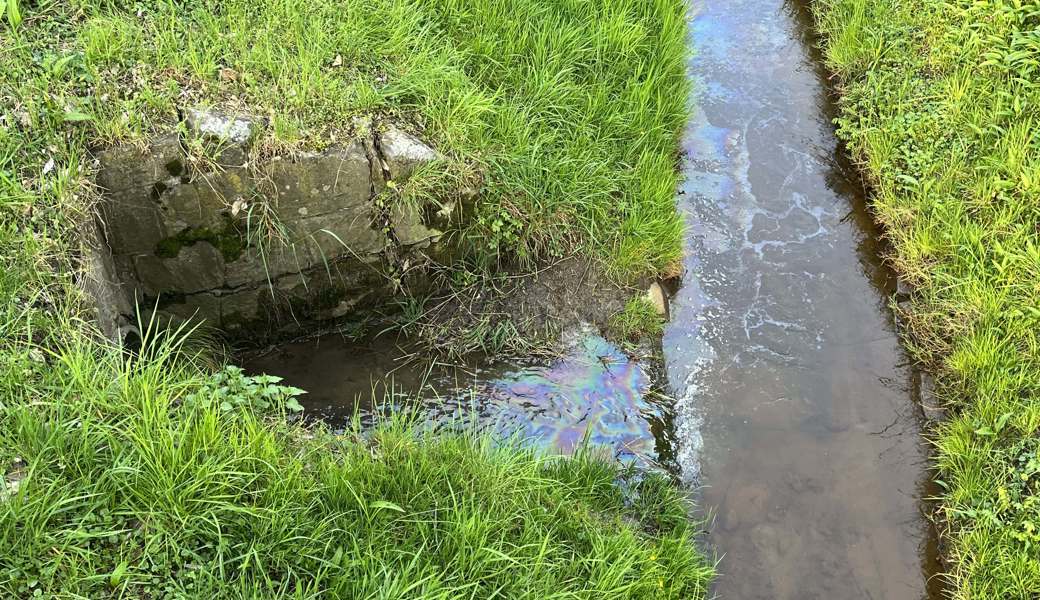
{"type": "Point", "coordinates": [347, 232]}
{"type": "Point", "coordinates": [409, 226]}
{"type": "Point", "coordinates": [131, 222]}
{"type": "Point", "coordinates": [132, 167]}
{"type": "Point", "coordinates": [335, 180]}
{"type": "Point", "coordinates": [403, 153]}
{"type": "Point", "coordinates": [228, 135]}
{"type": "Point", "coordinates": [272, 262]}
{"type": "Point", "coordinates": [196, 268]}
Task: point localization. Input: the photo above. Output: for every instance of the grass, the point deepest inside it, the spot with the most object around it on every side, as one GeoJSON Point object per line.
{"type": "Point", "coordinates": [639, 319]}
{"type": "Point", "coordinates": [145, 477]}
{"type": "Point", "coordinates": [939, 103]}
{"type": "Point", "coordinates": [570, 110]}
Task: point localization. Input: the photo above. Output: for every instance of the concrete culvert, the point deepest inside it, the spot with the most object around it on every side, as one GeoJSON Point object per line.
{"type": "Point", "coordinates": [192, 227]}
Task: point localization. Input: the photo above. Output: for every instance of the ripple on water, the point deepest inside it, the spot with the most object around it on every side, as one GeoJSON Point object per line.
{"type": "Point", "coordinates": [779, 346]}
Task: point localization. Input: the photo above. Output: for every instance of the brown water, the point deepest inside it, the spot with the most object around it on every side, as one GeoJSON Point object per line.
{"type": "Point", "coordinates": [794, 409]}
{"type": "Point", "coordinates": [593, 392]}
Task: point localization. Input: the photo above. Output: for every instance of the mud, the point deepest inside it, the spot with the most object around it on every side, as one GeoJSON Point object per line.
{"type": "Point", "coordinates": [571, 386]}
{"type": "Point", "coordinates": [590, 392]}
{"type": "Point", "coordinates": [540, 306]}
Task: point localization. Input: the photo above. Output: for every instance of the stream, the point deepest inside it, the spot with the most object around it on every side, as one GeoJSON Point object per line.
{"type": "Point", "coordinates": [794, 408]}
{"type": "Point", "coordinates": [793, 416]}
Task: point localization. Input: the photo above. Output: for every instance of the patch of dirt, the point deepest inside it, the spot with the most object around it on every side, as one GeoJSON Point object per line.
{"type": "Point", "coordinates": [509, 317]}
{"type": "Point", "coordinates": [526, 312]}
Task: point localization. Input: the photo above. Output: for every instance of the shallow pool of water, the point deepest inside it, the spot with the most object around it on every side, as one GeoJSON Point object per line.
{"type": "Point", "coordinates": [794, 413]}
{"type": "Point", "coordinates": [592, 393]}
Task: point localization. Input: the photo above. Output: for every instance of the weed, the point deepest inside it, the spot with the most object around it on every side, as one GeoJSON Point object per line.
{"type": "Point", "coordinates": [639, 319]}
{"type": "Point", "coordinates": [9, 8]}
{"type": "Point", "coordinates": [145, 477]}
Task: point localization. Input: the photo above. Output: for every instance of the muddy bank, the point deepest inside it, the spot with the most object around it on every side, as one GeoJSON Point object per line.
{"type": "Point", "coordinates": [515, 315]}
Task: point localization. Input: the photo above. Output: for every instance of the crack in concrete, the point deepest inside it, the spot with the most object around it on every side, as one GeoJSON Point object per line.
{"type": "Point", "coordinates": [393, 251]}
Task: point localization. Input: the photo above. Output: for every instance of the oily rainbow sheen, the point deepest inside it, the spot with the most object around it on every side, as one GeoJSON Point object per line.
{"type": "Point", "coordinates": [595, 393]}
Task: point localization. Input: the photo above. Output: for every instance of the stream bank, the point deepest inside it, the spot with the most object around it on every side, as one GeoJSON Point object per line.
{"type": "Point", "coordinates": [938, 106]}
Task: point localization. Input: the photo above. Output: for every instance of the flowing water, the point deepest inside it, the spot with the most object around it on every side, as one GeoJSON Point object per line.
{"type": "Point", "coordinates": [794, 410]}
{"type": "Point", "coordinates": [793, 414]}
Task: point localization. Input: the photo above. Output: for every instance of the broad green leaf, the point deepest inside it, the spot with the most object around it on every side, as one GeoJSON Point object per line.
{"type": "Point", "coordinates": [383, 504]}
{"type": "Point", "coordinates": [116, 577]}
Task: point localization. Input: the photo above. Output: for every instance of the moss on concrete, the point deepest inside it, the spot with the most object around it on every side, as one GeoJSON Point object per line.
{"type": "Point", "coordinates": [229, 241]}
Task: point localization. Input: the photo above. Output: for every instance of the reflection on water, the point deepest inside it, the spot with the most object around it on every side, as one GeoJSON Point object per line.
{"type": "Point", "coordinates": [793, 409]}
{"type": "Point", "coordinates": [593, 392]}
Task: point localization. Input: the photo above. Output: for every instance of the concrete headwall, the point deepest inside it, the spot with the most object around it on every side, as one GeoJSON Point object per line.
{"type": "Point", "coordinates": [254, 248]}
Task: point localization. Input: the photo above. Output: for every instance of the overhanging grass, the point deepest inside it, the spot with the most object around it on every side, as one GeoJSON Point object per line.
{"type": "Point", "coordinates": [638, 319]}
{"type": "Point", "coordinates": [140, 479]}
{"type": "Point", "coordinates": [940, 103]}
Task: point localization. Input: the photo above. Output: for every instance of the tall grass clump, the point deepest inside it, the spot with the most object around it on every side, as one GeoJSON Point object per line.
{"type": "Point", "coordinates": [570, 110]}
{"type": "Point", "coordinates": [940, 103]}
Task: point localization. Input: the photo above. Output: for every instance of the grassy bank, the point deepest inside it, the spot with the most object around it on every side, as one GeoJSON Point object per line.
{"type": "Point", "coordinates": [571, 110]}
{"type": "Point", "coordinates": [940, 104]}
{"type": "Point", "coordinates": [145, 479]}
{"type": "Point", "coordinates": [149, 478]}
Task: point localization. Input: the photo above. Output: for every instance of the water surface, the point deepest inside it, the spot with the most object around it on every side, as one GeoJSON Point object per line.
{"type": "Point", "coordinates": [794, 413]}
{"type": "Point", "coordinates": [592, 393]}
